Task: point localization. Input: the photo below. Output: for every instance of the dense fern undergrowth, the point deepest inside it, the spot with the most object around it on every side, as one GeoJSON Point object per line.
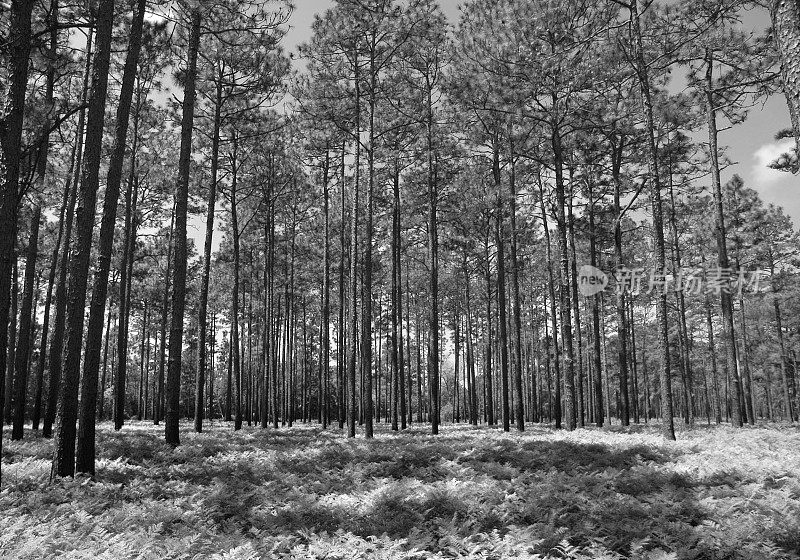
{"type": "Point", "coordinates": [302, 492]}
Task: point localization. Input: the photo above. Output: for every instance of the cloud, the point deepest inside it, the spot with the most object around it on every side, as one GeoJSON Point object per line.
{"type": "Point", "coordinates": [762, 174]}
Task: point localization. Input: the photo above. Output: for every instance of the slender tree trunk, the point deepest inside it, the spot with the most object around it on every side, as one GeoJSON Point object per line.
{"type": "Point", "coordinates": [598, 369]}
{"type": "Point", "coordinates": [25, 327]}
{"type": "Point", "coordinates": [722, 250]}
{"type": "Point", "coordinates": [142, 338]}
{"type": "Point", "coordinates": [59, 249]}
{"type": "Point", "coordinates": [57, 344]}
{"type": "Point", "coordinates": [351, 371]}
{"type": "Point", "coordinates": [366, 304]}
{"type": "Point", "coordinates": [568, 354]}
{"type": "Point", "coordinates": [126, 267]}
{"type": "Point", "coordinates": [519, 409]}
{"type": "Point", "coordinates": [408, 344]}
{"type": "Point", "coordinates": [14, 84]}
{"type": "Point", "coordinates": [173, 385]}
{"type": "Point", "coordinates": [229, 384]}
{"type": "Point", "coordinates": [275, 316]}
{"type": "Point", "coordinates": [42, 177]}
{"type": "Point", "coordinates": [658, 222]}
{"type": "Point", "coordinates": [235, 338]}
{"type": "Point", "coordinates": [159, 399]}
{"type": "Point", "coordinates": [580, 411]}
{"type": "Point", "coordinates": [418, 332]}
{"type": "Point", "coordinates": [487, 374]}
{"type": "Point", "coordinates": [501, 289]}
{"type": "Point", "coordinates": [8, 399]}
{"type": "Point", "coordinates": [94, 334]}
{"type": "Point", "coordinates": [341, 337]}
{"type": "Point", "coordinates": [433, 265]}
{"type": "Point", "coordinates": [622, 321]}
{"type": "Point", "coordinates": [713, 353]}
{"type": "Point", "coordinates": [202, 324]}
{"type": "Point", "coordinates": [556, 399]}
{"type": "Point", "coordinates": [679, 295]}
{"type": "Point", "coordinates": [213, 366]}
{"type": "Point", "coordinates": [748, 377]}
{"type": "Point", "coordinates": [268, 310]}
{"type": "Point", "coordinates": [146, 363]}
{"type": "Point", "coordinates": [473, 395]}
{"type": "Point", "coordinates": [787, 398]}
{"type": "Point", "coordinates": [632, 365]}
{"type": "Point", "coordinates": [101, 396]}
{"type": "Point", "coordinates": [325, 333]}
{"type": "Point", "coordinates": [67, 411]}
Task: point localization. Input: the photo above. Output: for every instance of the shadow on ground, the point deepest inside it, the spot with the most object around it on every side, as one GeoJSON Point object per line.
{"type": "Point", "coordinates": [622, 493]}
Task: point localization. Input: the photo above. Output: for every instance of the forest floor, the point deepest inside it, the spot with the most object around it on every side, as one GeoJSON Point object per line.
{"type": "Point", "coordinates": [468, 493]}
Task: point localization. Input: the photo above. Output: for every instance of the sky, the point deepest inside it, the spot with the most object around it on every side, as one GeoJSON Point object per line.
{"type": "Point", "coordinates": [751, 146]}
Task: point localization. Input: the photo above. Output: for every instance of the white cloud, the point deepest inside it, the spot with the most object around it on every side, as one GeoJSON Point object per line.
{"type": "Point", "coordinates": [762, 174]}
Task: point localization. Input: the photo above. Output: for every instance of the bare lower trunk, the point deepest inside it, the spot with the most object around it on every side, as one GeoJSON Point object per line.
{"type": "Point", "coordinates": [519, 409]}
{"type": "Point", "coordinates": [564, 292]}
{"type": "Point", "coordinates": [25, 327]}
{"type": "Point", "coordinates": [501, 291]}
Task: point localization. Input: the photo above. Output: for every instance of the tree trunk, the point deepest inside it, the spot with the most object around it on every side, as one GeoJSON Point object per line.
{"type": "Point", "coordinates": [433, 266]}
{"type": "Point", "coordinates": [275, 316]}
{"type": "Point", "coordinates": [351, 366]}
{"type": "Point", "coordinates": [487, 373]}
{"type": "Point", "coordinates": [551, 283]}
{"type": "Point", "coordinates": [409, 377]}
{"type": "Point", "coordinates": [202, 323]}
{"type": "Point", "coordinates": [519, 410]}
{"type": "Point", "coordinates": [126, 268]}
{"type": "Point", "coordinates": [97, 306]}
{"type": "Point", "coordinates": [42, 177]}
{"type": "Point", "coordinates": [235, 338]}
{"type": "Point", "coordinates": [25, 327]}
{"type": "Point", "coordinates": [366, 304]}
{"type": "Point", "coordinates": [501, 289]}
{"type": "Point", "coordinates": [15, 82]}
{"type": "Point", "coordinates": [564, 292]}
{"type": "Point", "coordinates": [173, 385]}
{"type": "Point", "coordinates": [622, 321]}
{"type": "Point", "coordinates": [67, 411]}
{"type": "Point", "coordinates": [596, 345]}
{"type": "Point", "coordinates": [658, 222]}
{"type": "Point", "coordinates": [101, 395]}
{"type": "Point", "coordinates": [580, 409]}
{"type": "Point", "coordinates": [786, 29]}
{"type": "Point", "coordinates": [787, 398]}
{"type": "Point", "coordinates": [341, 337]}
{"type": "Point", "coordinates": [722, 250]}
{"type": "Point", "coordinates": [57, 342]}
{"type": "Point", "coordinates": [473, 391]}
{"type": "Point", "coordinates": [268, 310]}
{"type": "Point", "coordinates": [140, 404]}
{"type": "Point", "coordinates": [686, 366]}
{"type": "Point", "coordinates": [158, 413]}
